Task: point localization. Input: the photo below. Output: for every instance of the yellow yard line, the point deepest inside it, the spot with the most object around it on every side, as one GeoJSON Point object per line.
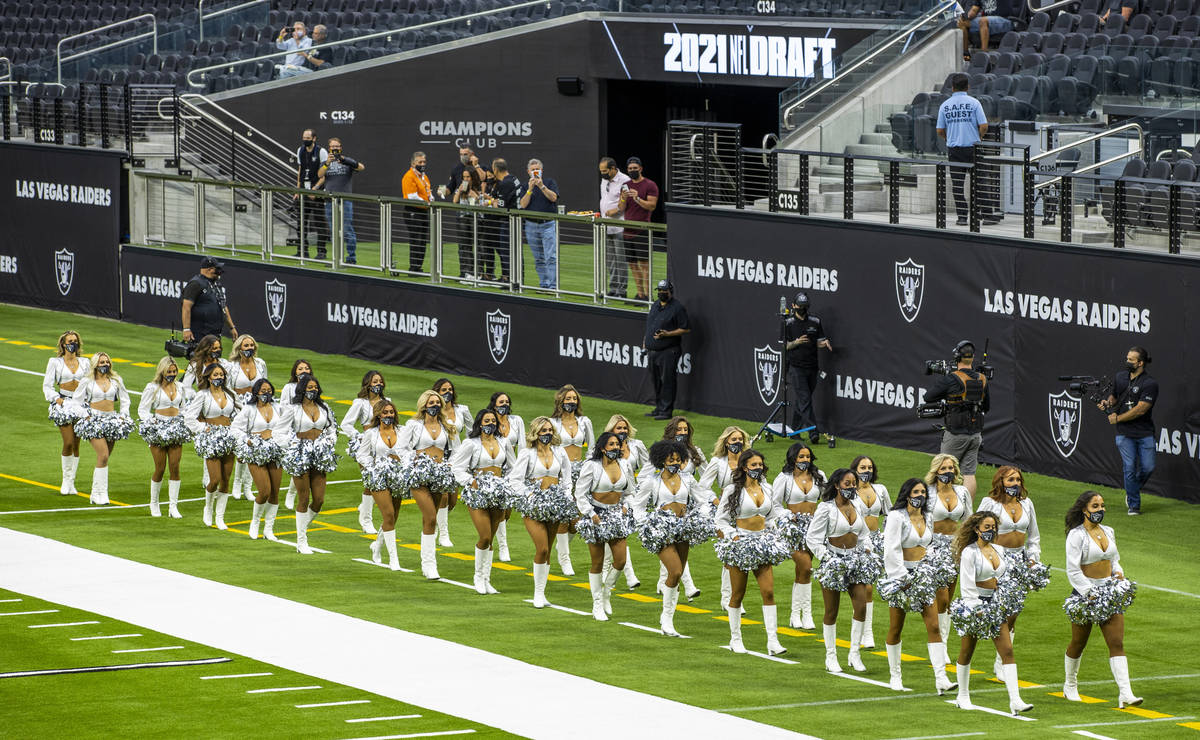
{"type": "Point", "coordinates": [26, 481]}
{"type": "Point", "coordinates": [1139, 712]}
{"type": "Point", "coordinates": [1082, 698]}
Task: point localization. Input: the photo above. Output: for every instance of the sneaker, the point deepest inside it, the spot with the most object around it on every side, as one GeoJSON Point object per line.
{"type": "Point", "coordinates": [990, 220]}
{"type": "Point", "coordinates": [962, 221]}
{"type": "Point", "coordinates": [351, 261]}
{"type": "Point", "coordinates": [1134, 512]}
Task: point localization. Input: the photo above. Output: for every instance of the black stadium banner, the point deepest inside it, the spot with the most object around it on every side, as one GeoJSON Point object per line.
{"type": "Point", "coordinates": [60, 220]}
{"type": "Point", "coordinates": [893, 297]}
{"type": "Point", "coordinates": [510, 339]}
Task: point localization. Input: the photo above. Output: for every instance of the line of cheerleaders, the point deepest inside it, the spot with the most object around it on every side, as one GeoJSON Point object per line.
{"type": "Point", "coordinates": [563, 478]}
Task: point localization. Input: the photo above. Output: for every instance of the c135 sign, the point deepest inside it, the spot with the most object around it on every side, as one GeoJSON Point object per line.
{"type": "Point", "coordinates": [749, 55]}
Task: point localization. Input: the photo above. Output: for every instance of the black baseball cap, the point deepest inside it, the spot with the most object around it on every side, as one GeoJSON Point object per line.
{"type": "Point", "coordinates": [665, 285]}
{"type": "Point", "coordinates": [801, 299]}
{"type": "Point", "coordinates": [634, 160]}
{"type": "Point", "coordinates": [208, 262]}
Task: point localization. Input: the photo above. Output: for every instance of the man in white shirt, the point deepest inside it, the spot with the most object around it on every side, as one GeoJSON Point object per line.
{"type": "Point", "coordinates": [294, 39]}
{"type": "Point", "coordinates": [612, 182]}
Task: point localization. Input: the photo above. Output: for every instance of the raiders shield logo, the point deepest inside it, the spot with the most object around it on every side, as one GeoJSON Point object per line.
{"type": "Point", "coordinates": [768, 366]}
{"type": "Point", "coordinates": [276, 293]}
{"type": "Point", "coordinates": [910, 288]}
{"type": "Point", "coordinates": [64, 269]}
{"type": "Point", "coordinates": [498, 326]}
{"type": "Point", "coordinates": [1065, 421]}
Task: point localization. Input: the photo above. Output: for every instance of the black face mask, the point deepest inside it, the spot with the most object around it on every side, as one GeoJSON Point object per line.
{"type": "Point", "coordinates": [570, 407]}
{"type": "Point", "coordinates": [681, 438]}
{"type": "Point", "coordinates": [247, 353]}
{"type": "Point", "coordinates": [169, 378]}
{"type": "Point", "coordinates": [987, 536]}
{"type": "Point", "coordinates": [312, 395]}
{"type": "Point", "coordinates": [215, 354]}
{"type": "Point", "coordinates": [945, 477]}
{"type": "Point", "coordinates": [265, 397]}
{"type": "Point", "coordinates": [622, 436]}
{"type": "Point", "coordinates": [755, 473]}
{"type": "Point", "coordinates": [864, 477]}
{"type": "Point", "coordinates": [612, 454]}
{"type": "Point", "coordinates": [387, 421]}
{"type": "Point", "coordinates": [433, 410]}
{"type": "Point", "coordinates": [606, 175]}
{"type": "Point", "coordinates": [545, 438]}
{"type": "Point", "coordinates": [377, 390]}
{"type": "Point", "coordinates": [217, 382]}
{"type": "Point", "coordinates": [849, 494]}
{"type": "Point", "coordinates": [104, 369]}
{"type": "Point", "coordinates": [664, 296]}
{"type": "Point", "coordinates": [419, 168]}
{"type": "Point", "coordinates": [635, 174]}
{"type": "Point", "coordinates": [448, 397]}
{"type": "Point", "coordinates": [918, 502]}
{"type": "Point", "coordinates": [488, 428]}
{"type": "Point", "coordinates": [1013, 491]}
{"type": "Point", "coordinates": [1095, 517]}
{"type": "Point", "coordinates": [307, 143]}
{"type": "Point", "coordinates": [734, 448]}
{"type": "Point", "coordinates": [1131, 367]}
{"type": "Point", "coordinates": [503, 410]}
{"type": "Point", "coordinates": [672, 469]}
{"type": "Point", "coordinates": [71, 347]}
{"type": "Point", "coordinates": [803, 465]}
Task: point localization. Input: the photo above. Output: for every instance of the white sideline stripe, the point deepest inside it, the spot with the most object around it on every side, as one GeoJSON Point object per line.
{"type": "Point", "coordinates": [1152, 588]}
{"type": "Point", "coordinates": [21, 614]}
{"type": "Point", "coordinates": [333, 704]}
{"type": "Point", "coordinates": [93, 508]}
{"type": "Point", "coordinates": [381, 565]}
{"type": "Point", "coordinates": [9, 601]}
{"type": "Point", "coordinates": [282, 688]}
{"type": "Point", "coordinates": [562, 608]}
{"type": "Point", "coordinates": [1125, 722]}
{"type": "Point", "coordinates": [491, 690]}
{"type": "Point", "coordinates": [150, 650]}
{"type": "Point", "coordinates": [415, 734]}
{"type": "Point", "coordinates": [383, 719]}
{"type": "Point", "coordinates": [460, 584]}
{"type": "Point", "coordinates": [864, 679]}
{"type": "Point", "coordinates": [104, 637]}
{"type": "Point", "coordinates": [41, 375]}
{"type": "Point", "coordinates": [60, 624]}
{"type": "Point", "coordinates": [764, 656]}
{"type": "Point", "coordinates": [989, 710]}
{"type": "Point", "coordinates": [294, 546]}
{"type": "Point", "coordinates": [359, 480]}
{"type": "Point", "coordinates": [235, 675]}
{"type": "Point", "coordinates": [940, 737]}
{"type": "Point", "coordinates": [108, 668]}
{"type": "Point", "coordinates": [1085, 733]}
{"type": "Point", "coordinates": [644, 628]}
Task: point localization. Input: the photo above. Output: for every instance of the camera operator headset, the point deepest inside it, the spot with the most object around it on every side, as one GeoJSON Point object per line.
{"type": "Point", "coordinates": [965, 394]}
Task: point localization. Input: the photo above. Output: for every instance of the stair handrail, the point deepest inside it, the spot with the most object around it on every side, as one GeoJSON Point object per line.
{"type": "Point", "coordinates": [153, 33]}
{"type": "Point", "coordinates": [1141, 148]}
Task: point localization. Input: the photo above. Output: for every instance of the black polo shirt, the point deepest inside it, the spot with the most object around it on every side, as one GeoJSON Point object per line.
{"type": "Point", "coordinates": [671, 316]}
{"type": "Point", "coordinates": [1130, 393]}
{"type": "Point", "coordinates": [208, 304]}
{"type": "Point", "coordinates": [805, 355]}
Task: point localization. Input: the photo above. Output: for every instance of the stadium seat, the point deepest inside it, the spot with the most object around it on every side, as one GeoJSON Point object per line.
{"type": "Point", "coordinates": [1077, 90]}
{"type": "Point", "coordinates": [1139, 26]}
{"type": "Point", "coordinates": [1172, 54]}
{"type": "Point", "coordinates": [1144, 209]}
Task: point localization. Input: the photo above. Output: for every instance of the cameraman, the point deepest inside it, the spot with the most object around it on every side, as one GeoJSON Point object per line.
{"type": "Point", "coordinates": [965, 392]}
{"type": "Point", "coordinates": [204, 308]}
{"type": "Point", "coordinates": [805, 333]}
{"type": "Point", "coordinates": [1129, 407]}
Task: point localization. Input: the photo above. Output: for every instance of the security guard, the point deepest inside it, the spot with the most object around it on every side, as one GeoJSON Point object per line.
{"type": "Point", "coordinates": [805, 333]}
{"type": "Point", "coordinates": [1129, 411]}
{"type": "Point", "coordinates": [962, 123]}
{"type": "Point", "coordinates": [967, 400]}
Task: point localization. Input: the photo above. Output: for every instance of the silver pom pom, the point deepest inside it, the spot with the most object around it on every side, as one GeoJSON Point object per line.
{"type": "Point", "coordinates": [262, 452]}
{"type": "Point", "coordinates": [877, 546]}
{"type": "Point", "coordinates": [752, 550]}
{"type": "Point", "coordinates": [1023, 575]}
{"type": "Point", "coordinates": [489, 492]}
{"type": "Point", "coordinates": [553, 504]}
{"type": "Point", "coordinates": [982, 621]}
{"type": "Point", "coordinates": [793, 528]}
{"type": "Point", "coordinates": [614, 525]}
{"type": "Point", "coordinates": [914, 592]}
{"type": "Point", "coordinates": [659, 529]}
{"type": "Point", "coordinates": [699, 525]}
{"type": "Point", "coordinates": [164, 431]}
{"type": "Point", "coordinates": [99, 425]}
{"type": "Point", "coordinates": [66, 414]}
{"type": "Point", "coordinates": [1108, 598]}
{"type": "Point", "coordinates": [352, 443]}
{"type": "Point", "coordinates": [941, 555]}
{"type": "Point", "coordinates": [838, 571]}
{"type": "Point", "coordinates": [384, 475]}
{"type": "Point", "coordinates": [214, 441]}
{"type": "Point", "coordinates": [425, 472]}
{"type": "Point", "coordinates": [304, 455]}
{"type": "Point", "coordinates": [576, 466]}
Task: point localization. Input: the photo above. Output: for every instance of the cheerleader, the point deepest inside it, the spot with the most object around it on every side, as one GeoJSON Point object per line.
{"type": "Point", "coordinates": [910, 580]}
{"type": "Point", "coordinates": [245, 367]}
{"type": "Point", "coordinates": [209, 414]}
{"type": "Point", "coordinates": [669, 506]}
{"type": "Point", "coordinates": [1017, 538]}
{"type": "Point", "coordinates": [951, 506]}
{"type": "Point", "coordinates": [379, 455]}
{"type": "Point", "coordinates": [1100, 594]}
{"type": "Point", "coordinates": [839, 538]}
{"type": "Point", "coordinates": [680, 430]}
{"type": "Point", "coordinates": [797, 488]}
{"type": "Point", "coordinates": [747, 545]}
{"type": "Point", "coordinates": [299, 367]}
{"type": "Point", "coordinates": [480, 464]}
{"type": "Point", "coordinates": [511, 428]}
{"type": "Point", "coordinates": [261, 431]}
{"type": "Point", "coordinates": [459, 417]}
{"type": "Point", "coordinates": [634, 453]}
{"type": "Point", "coordinates": [105, 404]}
{"type": "Point", "coordinates": [717, 471]}
{"type": "Point", "coordinates": [362, 410]}
{"type": "Point", "coordinates": [543, 468]}
{"type": "Point", "coordinates": [311, 433]}
{"type": "Point", "coordinates": [162, 425]}
{"type": "Point", "coordinates": [979, 613]}
{"type": "Point", "coordinates": [603, 493]}
{"type": "Point", "coordinates": [428, 441]}
{"type": "Point", "coordinates": [206, 352]}
{"type": "Point", "coordinates": [875, 501]}
{"type": "Point", "coordinates": [575, 431]}
{"type": "Point", "coordinates": [64, 372]}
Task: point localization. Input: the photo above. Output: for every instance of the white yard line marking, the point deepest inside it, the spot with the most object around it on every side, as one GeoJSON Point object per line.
{"type": "Point", "coordinates": [282, 688]}
{"type": "Point", "coordinates": [562, 608]}
{"type": "Point", "coordinates": [381, 565]}
{"type": "Point", "coordinates": [21, 614]}
{"type": "Point", "coordinates": [863, 679]}
{"type": "Point", "coordinates": [333, 704]}
{"type": "Point", "coordinates": [359, 480]}
{"type": "Point", "coordinates": [104, 637]}
{"type": "Point", "coordinates": [93, 508]}
{"type": "Point", "coordinates": [293, 545]}
{"type": "Point", "coordinates": [764, 656]}
{"type": "Point", "coordinates": [1152, 588]}
{"type": "Point", "coordinates": [60, 624]}
{"type": "Point", "coordinates": [40, 375]}
{"type": "Point", "coordinates": [1085, 733]}
{"type": "Point", "coordinates": [644, 628]}
{"type": "Point", "coordinates": [105, 668]}
{"type": "Point", "coordinates": [460, 584]}
{"type": "Point", "coordinates": [383, 719]}
{"type": "Point", "coordinates": [235, 675]}
{"type": "Point", "coordinates": [150, 650]}
{"type": "Point", "coordinates": [940, 737]}
{"type": "Point", "coordinates": [415, 734]}
{"type": "Point", "coordinates": [9, 601]}
{"type": "Point", "coordinates": [1126, 722]}
{"type": "Point", "coordinates": [997, 712]}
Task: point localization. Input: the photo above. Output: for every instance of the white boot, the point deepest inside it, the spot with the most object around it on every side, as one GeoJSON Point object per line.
{"type": "Point", "coordinates": [938, 659]}
{"type": "Point", "coordinates": [256, 513]}
{"type": "Point", "coordinates": [377, 550]}
{"type": "Point", "coordinates": [366, 510]}
{"type": "Point", "coordinates": [856, 636]}
{"type": "Point", "coordinates": [219, 510]}
{"type": "Point", "coordinates": [205, 479]}
{"type": "Point", "coordinates": [1071, 678]}
{"type": "Point", "coordinates": [1120, 671]}
{"type": "Point", "coordinates": [68, 476]}
{"type": "Point", "coordinates": [487, 572]}
{"type": "Point", "coordinates": [562, 543]}
{"type": "Point", "coordinates": [99, 486]}
{"type": "Point", "coordinates": [541, 573]}
{"type": "Point", "coordinates": [429, 556]}
{"type": "Point", "coordinates": [443, 528]}
{"type": "Point", "coordinates": [74, 474]}
{"type": "Point", "coordinates": [895, 681]}
{"type": "Point", "coordinates": [502, 542]}
{"type": "Point", "coordinates": [998, 667]}
{"type": "Point", "coordinates": [173, 499]}
{"type": "Point", "coordinates": [868, 638]}
{"type": "Point", "coordinates": [631, 579]}
{"type": "Point", "coordinates": [666, 621]}
{"type": "Point", "coordinates": [771, 624]}
{"type": "Point", "coordinates": [389, 541]}
{"type": "Point", "coordinates": [610, 580]}
{"type": "Point", "coordinates": [269, 522]}
{"type": "Point", "coordinates": [735, 630]}
{"type": "Point", "coordinates": [480, 588]}
{"type": "Point", "coordinates": [944, 625]}
{"type": "Point", "coordinates": [238, 485]}
{"type": "Point", "coordinates": [1016, 704]}
{"type": "Point", "coordinates": [597, 585]}
{"type": "Point", "coordinates": [155, 490]}
{"type": "Point", "coordinates": [289, 501]}
{"type": "Point", "coordinates": [302, 522]}
{"type": "Point", "coordinates": [689, 586]}
{"type": "Point", "coordinates": [726, 589]}
{"type": "Point", "coordinates": [660, 587]}
{"type": "Point", "coordinates": [207, 516]}
{"type": "Point", "coordinates": [831, 661]}
{"type": "Point", "coordinates": [796, 618]}
{"type": "Point", "coordinates": [963, 700]}
{"type": "Point", "coordinates": [247, 484]}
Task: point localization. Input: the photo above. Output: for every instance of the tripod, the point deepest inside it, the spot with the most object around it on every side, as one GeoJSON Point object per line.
{"type": "Point", "coordinates": [782, 408]}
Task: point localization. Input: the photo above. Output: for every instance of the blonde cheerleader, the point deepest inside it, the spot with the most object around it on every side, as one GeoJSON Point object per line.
{"type": "Point", "coordinates": [161, 423]}
{"type": "Point", "coordinates": [64, 372]}
{"type": "Point", "coordinates": [105, 404]}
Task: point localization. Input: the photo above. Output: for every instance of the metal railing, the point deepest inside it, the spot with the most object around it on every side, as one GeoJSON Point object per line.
{"type": "Point", "coordinates": [1141, 148]}
{"type": "Point", "coordinates": [101, 115]}
{"type": "Point", "coordinates": [7, 76]}
{"type": "Point", "coordinates": [222, 145]}
{"type": "Point", "coordinates": [223, 11]}
{"type": "Point", "coordinates": [153, 34]}
{"type": "Point", "coordinates": [1047, 8]}
{"type": "Point", "coordinates": [476, 245]}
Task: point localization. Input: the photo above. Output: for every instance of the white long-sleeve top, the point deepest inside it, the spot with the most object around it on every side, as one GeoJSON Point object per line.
{"type": "Point", "coordinates": [359, 415]}
{"type": "Point", "coordinates": [416, 437]}
{"type": "Point", "coordinates": [462, 420]}
{"type": "Point", "coordinates": [190, 377]}
{"type": "Point", "coordinates": [583, 437]}
{"type": "Point", "coordinates": [471, 456]}
{"type": "Point", "coordinates": [726, 518]}
{"type": "Point", "coordinates": [593, 479]}
{"type": "Point", "coordinates": [529, 465]}
{"type": "Point", "coordinates": [898, 534]}
{"type": "Point", "coordinates": [89, 392]}
{"type": "Point", "coordinates": [516, 431]}
{"type": "Point", "coordinates": [639, 456]}
{"type": "Point", "coordinates": [691, 468]}
{"type": "Point", "coordinates": [788, 492]}
{"type": "Point", "coordinates": [882, 501]}
{"type": "Point", "coordinates": [653, 493]}
{"type": "Point", "coordinates": [1083, 550]}
{"type": "Point", "coordinates": [828, 521]}
{"type": "Point", "coordinates": [58, 373]}
{"type": "Point", "coordinates": [298, 421]}
{"type": "Point", "coordinates": [204, 406]}
{"type": "Point", "coordinates": [1027, 524]}
{"type": "Point", "coordinates": [717, 471]}
{"type": "Point", "coordinates": [155, 397]}
{"type": "Point", "coordinates": [961, 510]}
{"type": "Point", "coordinates": [372, 447]}
{"type": "Point", "coordinates": [974, 567]}
{"type": "Point", "coordinates": [237, 377]}
{"type": "Point", "coordinates": [287, 394]}
{"type": "Point", "coordinates": [251, 422]}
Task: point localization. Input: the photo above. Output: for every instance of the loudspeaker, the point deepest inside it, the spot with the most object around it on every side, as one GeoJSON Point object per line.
{"type": "Point", "coordinates": [570, 85]}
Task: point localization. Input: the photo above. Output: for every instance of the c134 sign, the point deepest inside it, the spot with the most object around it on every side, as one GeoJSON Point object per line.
{"type": "Point", "coordinates": [749, 55]}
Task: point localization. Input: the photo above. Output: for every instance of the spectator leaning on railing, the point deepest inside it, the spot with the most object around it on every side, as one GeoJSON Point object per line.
{"type": "Point", "coordinates": [612, 182]}
{"type": "Point", "coordinates": [309, 159]}
{"type": "Point", "coordinates": [540, 193]}
{"type": "Point", "coordinates": [335, 177]}
{"type": "Point", "coordinates": [415, 186]}
{"type": "Point", "coordinates": [637, 203]}
{"type": "Point", "coordinates": [293, 39]}
{"type": "Point", "coordinates": [312, 59]}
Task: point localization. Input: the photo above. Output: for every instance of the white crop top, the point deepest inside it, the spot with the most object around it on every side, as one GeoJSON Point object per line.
{"type": "Point", "coordinates": [462, 420]}
{"type": "Point", "coordinates": [583, 437]}
{"type": "Point", "coordinates": [716, 471]}
{"type": "Point", "coordinates": [58, 373]}
{"type": "Point", "coordinates": [898, 534]}
{"type": "Point", "coordinates": [638, 457]}
{"type": "Point", "coordinates": [251, 422]}
{"type": "Point", "coordinates": [288, 394]}
{"type": "Point", "coordinates": [787, 491]}
{"type": "Point", "coordinates": [89, 392]}
{"type": "Point", "coordinates": [237, 377]}
{"type": "Point", "coordinates": [361, 410]}
{"type": "Point", "coordinates": [154, 397]}
{"type": "Point", "coordinates": [882, 502]}
{"type": "Point", "coordinates": [472, 456]}
{"type": "Point", "coordinates": [593, 479]}
{"type": "Point", "coordinates": [1027, 524]}
{"type": "Point", "coordinates": [529, 465]}
{"type": "Point", "coordinates": [299, 421]}
{"type": "Point", "coordinates": [416, 437]}
{"type": "Point", "coordinates": [961, 510]}
{"type": "Point", "coordinates": [372, 447]}
{"type": "Point", "coordinates": [1083, 550]}
{"type": "Point", "coordinates": [190, 377]}
{"type": "Point", "coordinates": [204, 406]}
{"type": "Point", "coordinates": [516, 431]}
{"type": "Point", "coordinates": [726, 519]}
{"type": "Point", "coordinates": [828, 521]}
{"type": "Point", "coordinates": [974, 567]}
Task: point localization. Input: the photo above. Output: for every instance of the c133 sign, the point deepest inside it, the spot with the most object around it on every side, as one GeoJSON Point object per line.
{"type": "Point", "coordinates": [749, 55]}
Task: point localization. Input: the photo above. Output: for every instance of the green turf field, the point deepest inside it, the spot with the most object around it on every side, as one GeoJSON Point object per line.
{"type": "Point", "coordinates": [1156, 550]}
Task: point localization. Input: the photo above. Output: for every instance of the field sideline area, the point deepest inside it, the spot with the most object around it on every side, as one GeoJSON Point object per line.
{"type": "Point", "coordinates": [793, 692]}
